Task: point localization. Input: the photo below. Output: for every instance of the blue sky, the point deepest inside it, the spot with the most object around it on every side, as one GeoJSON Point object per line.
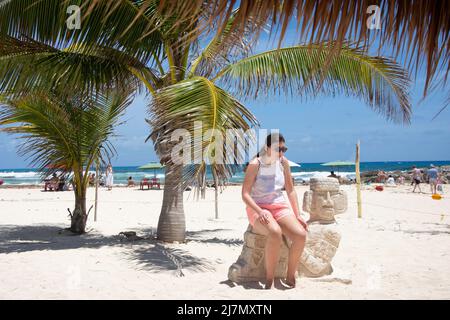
{"type": "Point", "coordinates": [317, 130]}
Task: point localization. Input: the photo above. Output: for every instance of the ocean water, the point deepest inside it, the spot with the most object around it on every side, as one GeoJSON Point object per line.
{"type": "Point", "coordinates": [303, 173]}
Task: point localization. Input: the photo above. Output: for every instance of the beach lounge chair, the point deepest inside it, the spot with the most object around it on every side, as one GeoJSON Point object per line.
{"type": "Point", "coordinates": [155, 183]}
{"type": "Point", "coordinates": [150, 183]}
{"type": "Point", "coordinates": [144, 182]}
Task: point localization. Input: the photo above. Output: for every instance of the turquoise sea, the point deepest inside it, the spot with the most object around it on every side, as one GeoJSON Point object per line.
{"type": "Point", "coordinates": [304, 172]}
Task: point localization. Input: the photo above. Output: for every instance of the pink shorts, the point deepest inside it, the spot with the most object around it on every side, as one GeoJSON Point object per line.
{"type": "Point", "coordinates": [278, 211]}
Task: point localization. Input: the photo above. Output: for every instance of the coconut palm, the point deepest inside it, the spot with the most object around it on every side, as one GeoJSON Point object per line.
{"type": "Point", "coordinates": [66, 135]}
{"type": "Point", "coordinates": [143, 47]}
{"type": "Point", "coordinates": [418, 29]}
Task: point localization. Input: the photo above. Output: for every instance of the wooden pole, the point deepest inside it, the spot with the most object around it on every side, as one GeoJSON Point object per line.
{"type": "Point", "coordinates": [358, 181]}
{"type": "Point", "coordinates": [96, 191]}
{"type": "Point", "coordinates": [216, 196]}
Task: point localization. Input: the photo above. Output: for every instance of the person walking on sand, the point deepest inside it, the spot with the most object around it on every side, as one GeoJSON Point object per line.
{"type": "Point", "coordinates": [416, 178]}
{"type": "Point", "coordinates": [433, 176]}
{"type": "Point", "coordinates": [109, 177]}
{"type": "Point", "coordinates": [267, 209]}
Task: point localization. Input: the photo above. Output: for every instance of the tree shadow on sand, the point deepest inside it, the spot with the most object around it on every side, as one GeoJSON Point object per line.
{"type": "Point", "coordinates": [147, 253]}
{"type": "Point", "coordinates": [156, 256]}
{"type": "Point", "coordinates": [256, 285]}
{"type": "Point", "coordinates": [442, 228]}
{"type": "Point", "coordinates": [204, 236]}
{"type": "Point", "coordinates": [429, 232]}
{"type": "Point", "coordinates": [15, 238]}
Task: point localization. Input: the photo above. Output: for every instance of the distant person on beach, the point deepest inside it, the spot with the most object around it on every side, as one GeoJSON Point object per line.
{"type": "Point", "coordinates": [131, 182]}
{"type": "Point", "coordinates": [416, 178]}
{"type": "Point", "coordinates": [433, 176]}
{"type": "Point", "coordinates": [54, 182]}
{"type": "Point", "coordinates": [333, 175]}
{"type": "Point", "coordinates": [267, 209]}
{"type": "Point", "coordinates": [92, 179]}
{"type": "Point", "coordinates": [109, 177]}
{"type": "Point", "coordinates": [101, 180]}
{"type": "Point", "coordinates": [381, 176]}
{"type": "Point", "coordinates": [390, 181]}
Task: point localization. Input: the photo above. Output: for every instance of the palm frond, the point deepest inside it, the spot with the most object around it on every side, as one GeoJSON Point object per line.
{"type": "Point", "coordinates": [71, 133]}
{"type": "Point", "coordinates": [226, 45]}
{"type": "Point", "coordinates": [446, 104]}
{"type": "Point", "coordinates": [103, 23]}
{"type": "Point", "coordinates": [26, 64]}
{"type": "Point", "coordinates": [298, 70]}
{"type": "Point", "coordinates": [184, 106]}
{"type": "Point", "coordinates": [418, 30]}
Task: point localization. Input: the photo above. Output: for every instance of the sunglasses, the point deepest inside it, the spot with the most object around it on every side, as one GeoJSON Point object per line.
{"type": "Point", "coordinates": [282, 149]}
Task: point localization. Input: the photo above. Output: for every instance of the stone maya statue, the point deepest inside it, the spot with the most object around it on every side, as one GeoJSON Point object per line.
{"type": "Point", "coordinates": [323, 201]}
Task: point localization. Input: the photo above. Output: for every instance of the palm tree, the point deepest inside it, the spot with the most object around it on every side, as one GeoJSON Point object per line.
{"type": "Point", "coordinates": [65, 134]}
{"type": "Point", "coordinates": [418, 29]}
{"type": "Point", "coordinates": [134, 44]}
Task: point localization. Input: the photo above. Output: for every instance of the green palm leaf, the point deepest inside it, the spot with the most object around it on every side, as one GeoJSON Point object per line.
{"type": "Point", "coordinates": [71, 133]}
{"type": "Point", "coordinates": [103, 23]}
{"type": "Point", "coordinates": [380, 82]}
{"type": "Point", "coordinates": [198, 99]}
{"type": "Point", "coordinates": [26, 64]}
{"type": "Point", "coordinates": [228, 44]}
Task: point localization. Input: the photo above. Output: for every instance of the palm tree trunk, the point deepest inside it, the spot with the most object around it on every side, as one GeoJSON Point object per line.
{"type": "Point", "coordinates": [79, 214]}
{"type": "Point", "coordinates": [172, 224]}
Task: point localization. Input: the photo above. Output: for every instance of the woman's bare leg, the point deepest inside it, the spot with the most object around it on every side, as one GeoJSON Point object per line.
{"type": "Point", "coordinates": [292, 228]}
{"type": "Point", "coordinates": [272, 249]}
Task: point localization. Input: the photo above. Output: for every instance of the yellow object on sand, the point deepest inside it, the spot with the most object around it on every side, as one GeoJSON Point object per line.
{"type": "Point", "coordinates": [436, 196]}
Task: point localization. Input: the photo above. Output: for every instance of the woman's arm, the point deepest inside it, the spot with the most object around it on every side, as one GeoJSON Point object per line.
{"type": "Point", "coordinates": [291, 193]}
{"type": "Point", "coordinates": [289, 186]}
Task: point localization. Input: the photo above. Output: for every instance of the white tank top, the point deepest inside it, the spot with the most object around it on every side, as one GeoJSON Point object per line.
{"type": "Point", "coordinates": [269, 183]}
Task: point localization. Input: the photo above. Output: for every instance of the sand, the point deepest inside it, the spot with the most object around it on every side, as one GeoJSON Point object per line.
{"type": "Point", "coordinates": [400, 249]}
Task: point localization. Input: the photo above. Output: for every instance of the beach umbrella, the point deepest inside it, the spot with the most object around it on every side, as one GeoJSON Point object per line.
{"type": "Point", "coordinates": [293, 164]}
{"type": "Point", "coordinates": [338, 164]}
{"type": "Point", "coordinates": [152, 166]}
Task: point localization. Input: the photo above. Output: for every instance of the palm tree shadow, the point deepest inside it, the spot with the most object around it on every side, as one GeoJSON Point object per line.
{"type": "Point", "coordinates": [201, 236]}
{"type": "Point", "coordinates": [156, 256]}
{"type": "Point", "coordinates": [429, 232]}
{"type": "Point", "coordinates": [147, 252]}
{"type": "Point", "coordinates": [15, 238]}
{"type": "Point", "coordinates": [246, 285]}
{"type": "Point", "coordinates": [256, 285]}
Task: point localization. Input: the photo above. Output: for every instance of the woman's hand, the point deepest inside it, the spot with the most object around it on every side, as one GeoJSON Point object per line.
{"type": "Point", "coordinates": [264, 216]}
{"type": "Point", "coordinates": [302, 222]}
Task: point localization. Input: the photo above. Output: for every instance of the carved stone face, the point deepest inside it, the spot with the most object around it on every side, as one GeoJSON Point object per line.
{"type": "Point", "coordinates": [324, 200]}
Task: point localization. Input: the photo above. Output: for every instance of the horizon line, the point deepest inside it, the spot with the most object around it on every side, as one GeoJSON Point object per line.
{"type": "Point", "coordinates": [385, 161]}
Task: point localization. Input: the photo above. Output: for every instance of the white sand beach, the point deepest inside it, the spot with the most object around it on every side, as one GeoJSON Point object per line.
{"type": "Point", "coordinates": [400, 249]}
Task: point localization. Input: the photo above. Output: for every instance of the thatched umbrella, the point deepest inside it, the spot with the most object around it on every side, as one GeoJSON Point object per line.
{"type": "Point", "coordinates": [152, 166]}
